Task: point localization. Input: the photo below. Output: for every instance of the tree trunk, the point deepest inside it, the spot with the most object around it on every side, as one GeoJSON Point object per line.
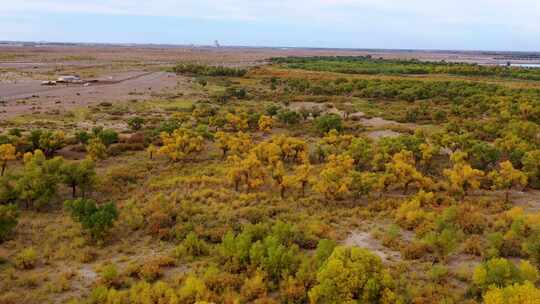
{"type": "Point", "coordinates": [4, 164]}
{"type": "Point", "coordinates": [73, 190]}
{"type": "Point", "coordinates": [507, 196]}
{"type": "Point", "coordinates": [406, 188]}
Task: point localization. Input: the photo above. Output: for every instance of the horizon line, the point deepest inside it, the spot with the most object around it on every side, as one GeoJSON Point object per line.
{"type": "Point", "coordinates": [126, 44]}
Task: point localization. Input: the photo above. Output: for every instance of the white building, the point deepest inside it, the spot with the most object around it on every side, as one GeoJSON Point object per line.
{"type": "Point", "coordinates": [69, 78]}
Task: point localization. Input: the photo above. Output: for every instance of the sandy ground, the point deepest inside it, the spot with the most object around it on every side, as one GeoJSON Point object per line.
{"type": "Point", "coordinates": [366, 240]}
{"type": "Point", "coordinates": [31, 97]}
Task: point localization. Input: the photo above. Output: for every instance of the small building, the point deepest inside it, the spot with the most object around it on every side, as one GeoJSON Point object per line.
{"type": "Point", "coordinates": [69, 78]}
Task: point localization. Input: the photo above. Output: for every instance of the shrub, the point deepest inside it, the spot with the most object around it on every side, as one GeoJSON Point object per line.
{"type": "Point", "coordinates": [135, 123]}
{"type": "Point", "coordinates": [106, 136]}
{"type": "Point", "coordinates": [26, 259]}
{"type": "Point", "coordinates": [9, 215]}
{"type": "Point", "coordinates": [96, 220]}
{"type": "Point", "coordinates": [82, 137]}
{"type": "Point", "coordinates": [109, 274]}
{"type": "Point", "coordinates": [328, 122]}
{"type": "Point", "coordinates": [442, 243]}
{"type": "Point", "coordinates": [193, 290]}
{"type": "Point", "coordinates": [192, 246]}
{"type": "Point", "coordinates": [150, 271]}
{"type": "Point", "coordinates": [288, 117]}
{"type": "Point", "coordinates": [254, 288]}
{"type": "Point", "coordinates": [272, 110]}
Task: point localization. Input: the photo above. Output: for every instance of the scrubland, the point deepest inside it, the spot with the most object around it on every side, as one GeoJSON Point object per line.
{"type": "Point", "coordinates": [313, 180]}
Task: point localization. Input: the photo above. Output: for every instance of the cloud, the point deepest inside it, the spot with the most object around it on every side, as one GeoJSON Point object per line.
{"type": "Point", "coordinates": [518, 12]}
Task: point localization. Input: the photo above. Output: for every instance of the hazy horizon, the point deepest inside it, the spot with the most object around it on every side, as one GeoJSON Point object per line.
{"type": "Point", "coordinates": [352, 24]}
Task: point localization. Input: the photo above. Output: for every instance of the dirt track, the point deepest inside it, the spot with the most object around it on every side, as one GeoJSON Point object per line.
{"type": "Point", "coordinates": [30, 96]}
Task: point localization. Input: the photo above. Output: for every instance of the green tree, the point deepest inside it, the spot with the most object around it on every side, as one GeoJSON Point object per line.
{"type": "Point", "coordinates": [500, 272]}
{"type": "Point", "coordinates": [38, 183]}
{"type": "Point", "coordinates": [9, 215]}
{"type": "Point", "coordinates": [328, 122]}
{"type": "Point", "coordinates": [289, 117]}
{"type": "Point", "coordinates": [80, 175]}
{"type": "Point", "coordinates": [135, 123]}
{"type": "Point", "coordinates": [531, 167]}
{"type": "Point", "coordinates": [96, 220]}
{"type": "Point", "coordinates": [361, 151]}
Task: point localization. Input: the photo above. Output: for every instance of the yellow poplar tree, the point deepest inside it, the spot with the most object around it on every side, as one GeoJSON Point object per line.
{"type": "Point", "coordinates": [514, 294]}
{"type": "Point", "coordinates": [462, 177]}
{"type": "Point", "coordinates": [237, 144]}
{"type": "Point", "coordinates": [301, 176]}
{"type": "Point", "coordinates": [236, 122]}
{"type": "Point", "coordinates": [401, 171]}
{"type": "Point", "coordinates": [180, 144]}
{"type": "Point", "coordinates": [96, 149]}
{"type": "Point", "coordinates": [506, 178]}
{"type": "Point", "coordinates": [7, 153]}
{"type": "Point", "coordinates": [249, 171]}
{"type": "Point", "coordinates": [428, 151]}
{"type": "Point", "coordinates": [334, 181]}
{"type": "Point", "coordinates": [266, 123]}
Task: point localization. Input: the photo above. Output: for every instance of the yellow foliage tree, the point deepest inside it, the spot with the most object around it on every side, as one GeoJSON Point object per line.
{"type": "Point", "coordinates": [427, 152]}
{"type": "Point", "coordinates": [249, 171]}
{"type": "Point", "coordinates": [462, 177]}
{"type": "Point", "coordinates": [401, 171]}
{"type": "Point", "coordinates": [237, 144]}
{"type": "Point", "coordinates": [7, 153]}
{"type": "Point", "coordinates": [96, 149]}
{"type": "Point", "coordinates": [266, 123]}
{"type": "Point", "coordinates": [180, 144]}
{"type": "Point", "coordinates": [507, 177]}
{"type": "Point", "coordinates": [334, 181]}
{"type": "Point", "coordinates": [292, 149]}
{"type": "Point", "coordinates": [333, 143]}
{"type": "Point", "coordinates": [301, 176]}
{"type": "Point", "coordinates": [236, 122]}
{"type": "Point", "coordinates": [514, 294]}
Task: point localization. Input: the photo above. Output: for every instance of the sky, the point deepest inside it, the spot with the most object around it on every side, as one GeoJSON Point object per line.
{"type": "Point", "coordinates": [394, 24]}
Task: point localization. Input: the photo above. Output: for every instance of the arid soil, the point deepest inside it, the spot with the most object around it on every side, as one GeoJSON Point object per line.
{"type": "Point", "coordinates": [31, 97]}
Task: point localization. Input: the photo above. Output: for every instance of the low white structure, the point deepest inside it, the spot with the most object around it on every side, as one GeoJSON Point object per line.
{"type": "Point", "coordinates": [69, 78]}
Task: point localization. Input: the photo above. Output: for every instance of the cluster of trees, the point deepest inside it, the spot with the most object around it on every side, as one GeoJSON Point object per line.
{"type": "Point", "coordinates": [206, 70]}
{"type": "Point", "coordinates": [37, 184]}
{"type": "Point", "coordinates": [464, 92]}
{"type": "Point", "coordinates": [258, 262]}
{"type": "Point", "coordinates": [370, 66]}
